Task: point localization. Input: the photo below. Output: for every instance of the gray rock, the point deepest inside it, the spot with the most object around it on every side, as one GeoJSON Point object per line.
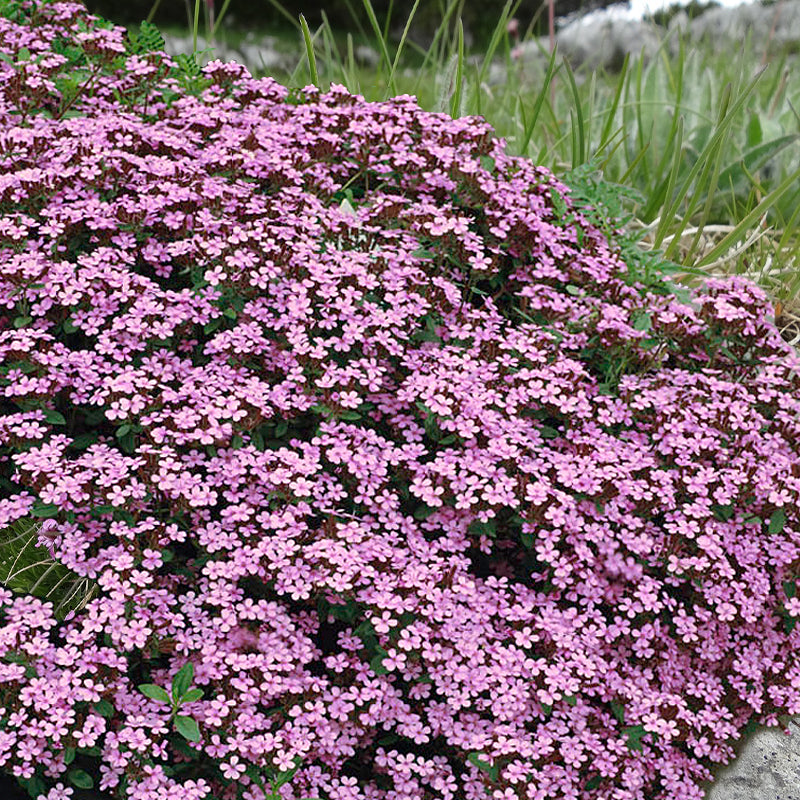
{"type": "Point", "coordinates": [767, 767]}
{"type": "Point", "coordinates": [257, 55]}
{"type": "Point", "coordinates": [777, 24]}
{"type": "Point", "coordinates": [602, 39]}
{"type": "Point", "coordinates": [366, 56]}
{"type": "Point", "coordinates": [599, 40]}
{"type": "Point", "coordinates": [262, 58]}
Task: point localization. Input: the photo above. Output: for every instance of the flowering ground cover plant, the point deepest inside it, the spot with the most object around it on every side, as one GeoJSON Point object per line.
{"type": "Point", "coordinates": [390, 480]}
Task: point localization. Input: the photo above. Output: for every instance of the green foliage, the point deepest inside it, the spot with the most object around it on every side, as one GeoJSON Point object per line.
{"type": "Point", "coordinates": [492, 770]}
{"type": "Point", "coordinates": [27, 568]}
{"type": "Point", "coordinates": [634, 735]}
{"type": "Point", "coordinates": [154, 692]}
{"type": "Point", "coordinates": [148, 40]}
{"type": "Point", "coordinates": [680, 143]}
{"type": "Point", "coordinates": [181, 694]}
{"type": "Point", "coordinates": [81, 779]}
{"type": "Point", "coordinates": [182, 680]}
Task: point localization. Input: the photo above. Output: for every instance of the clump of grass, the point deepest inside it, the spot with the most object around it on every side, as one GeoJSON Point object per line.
{"type": "Point", "coordinates": [707, 144]}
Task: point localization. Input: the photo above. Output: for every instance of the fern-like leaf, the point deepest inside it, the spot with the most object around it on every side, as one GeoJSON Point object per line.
{"type": "Point", "coordinates": [148, 40]}
{"type": "Point", "coordinates": [27, 567]}
{"type": "Point", "coordinates": [188, 65]}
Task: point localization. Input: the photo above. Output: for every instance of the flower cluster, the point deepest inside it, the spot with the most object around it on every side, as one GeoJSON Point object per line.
{"type": "Point", "coordinates": [356, 414]}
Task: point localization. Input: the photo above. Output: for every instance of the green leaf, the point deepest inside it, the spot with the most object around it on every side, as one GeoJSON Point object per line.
{"type": "Point", "coordinates": [21, 322]}
{"type": "Point", "coordinates": [127, 442]}
{"type": "Point", "coordinates": [68, 326]}
{"type": "Point", "coordinates": [618, 710]}
{"type": "Point", "coordinates": [104, 708]}
{"type": "Point", "coordinates": [423, 512]}
{"type": "Point", "coordinates": [790, 588]}
{"type": "Point", "coordinates": [594, 782]}
{"type": "Point", "coordinates": [570, 700]}
{"type": "Point", "coordinates": [755, 134]}
{"type": "Point", "coordinates": [69, 755]}
{"type": "Point", "coordinates": [723, 513]}
{"type": "Point", "coordinates": [642, 321]}
{"type": "Point", "coordinates": [54, 418]}
{"type": "Point", "coordinates": [756, 158]}
{"type": "Point", "coordinates": [191, 696]}
{"type": "Point", "coordinates": [284, 777]}
{"type": "Point", "coordinates": [182, 680]}
{"type": "Point", "coordinates": [478, 528]}
{"type": "Point", "coordinates": [426, 336]}
{"type": "Point", "coordinates": [154, 692]}
{"type": "Point", "coordinates": [601, 509]}
{"type": "Point", "coordinates": [487, 163]}
{"type": "Point", "coordinates": [83, 441]}
{"type": "Point", "coordinates": [476, 759]}
{"type": "Point", "coordinates": [81, 779]}
{"type": "Point", "coordinates": [123, 430]}
{"type": "Point", "coordinates": [776, 521]}
{"type": "Point", "coordinates": [527, 540]}
{"type": "Point", "coordinates": [376, 665]}
{"type": "Point", "coordinates": [34, 786]}
{"type": "Point", "coordinates": [574, 290]}
{"type": "Point", "coordinates": [365, 629]}
{"type": "Point", "coordinates": [44, 510]}
{"type": "Point", "coordinates": [634, 734]}
{"type": "Point", "coordinates": [149, 38]}
{"type": "Point", "coordinates": [187, 727]}
{"type": "Point", "coordinates": [309, 42]}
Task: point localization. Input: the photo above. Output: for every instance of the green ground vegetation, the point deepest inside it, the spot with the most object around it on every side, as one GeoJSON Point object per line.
{"type": "Point", "coordinates": [693, 152]}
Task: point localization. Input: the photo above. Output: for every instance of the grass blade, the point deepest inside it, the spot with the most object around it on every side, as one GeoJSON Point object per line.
{"type": "Point", "coordinates": [579, 156]}
{"type": "Point", "coordinates": [455, 106]}
{"type": "Point", "coordinates": [710, 162]}
{"type": "Point", "coordinates": [434, 44]}
{"type": "Point", "coordinates": [400, 48]}
{"type": "Point", "coordinates": [497, 35]}
{"type": "Point", "coordinates": [755, 158]}
{"type": "Point", "coordinates": [540, 98]}
{"type": "Point", "coordinates": [312, 60]}
{"type": "Point", "coordinates": [702, 160]}
{"type": "Point", "coordinates": [612, 111]}
{"type": "Point", "coordinates": [663, 194]}
{"type": "Point", "coordinates": [373, 20]}
{"type": "Point", "coordinates": [196, 23]}
{"type": "Point", "coordinates": [732, 238]}
{"type": "Point", "coordinates": [219, 19]}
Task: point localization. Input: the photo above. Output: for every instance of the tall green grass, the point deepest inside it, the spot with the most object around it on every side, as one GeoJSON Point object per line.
{"type": "Point", "coordinates": [706, 146]}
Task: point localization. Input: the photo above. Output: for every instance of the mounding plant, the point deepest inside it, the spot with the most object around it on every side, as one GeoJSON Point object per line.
{"type": "Point", "coordinates": [390, 477]}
